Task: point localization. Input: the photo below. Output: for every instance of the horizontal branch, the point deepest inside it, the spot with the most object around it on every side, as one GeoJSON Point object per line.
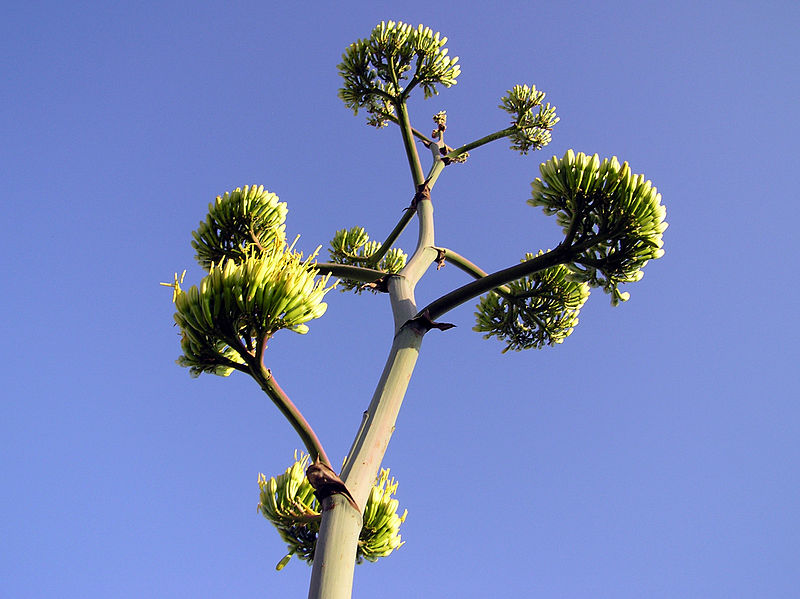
{"type": "Point", "coordinates": [347, 271]}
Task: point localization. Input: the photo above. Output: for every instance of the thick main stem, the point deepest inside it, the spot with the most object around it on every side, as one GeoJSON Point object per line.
{"type": "Point", "coordinates": [334, 557]}
{"type": "Point", "coordinates": [335, 554]}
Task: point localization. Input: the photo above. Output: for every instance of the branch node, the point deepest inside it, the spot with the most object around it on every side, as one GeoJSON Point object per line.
{"type": "Point", "coordinates": [327, 483]}
{"type": "Point", "coordinates": [423, 193]}
{"type": "Point", "coordinates": [381, 285]}
{"type": "Point", "coordinates": [440, 258]}
{"type": "Point", "coordinates": [423, 323]}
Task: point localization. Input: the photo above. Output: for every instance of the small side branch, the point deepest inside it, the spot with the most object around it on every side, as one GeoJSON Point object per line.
{"type": "Point", "coordinates": [480, 142]}
{"type": "Point", "coordinates": [415, 132]}
{"type": "Point", "coordinates": [471, 269]}
{"type": "Point", "coordinates": [408, 214]}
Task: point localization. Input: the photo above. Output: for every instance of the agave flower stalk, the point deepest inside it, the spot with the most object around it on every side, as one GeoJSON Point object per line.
{"type": "Point", "coordinates": [256, 285]}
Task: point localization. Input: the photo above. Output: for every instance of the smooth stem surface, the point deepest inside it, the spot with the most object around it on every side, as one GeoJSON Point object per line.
{"type": "Point", "coordinates": [392, 237]}
{"type": "Point", "coordinates": [408, 143]}
{"type": "Point", "coordinates": [370, 445]}
{"type": "Point", "coordinates": [472, 269]}
{"type": "Point", "coordinates": [293, 415]}
{"type": "Point", "coordinates": [335, 554]}
{"type": "Point", "coordinates": [482, 141]}
{"type": "Point", "coordinates": [471, 290]}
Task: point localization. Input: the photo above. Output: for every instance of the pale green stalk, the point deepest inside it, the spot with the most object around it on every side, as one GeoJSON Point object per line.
{"type": "Point", "coordinates": [471, 268]}
{"type": "Point", "coordinates": [334, 557]}
{"type": "Point", "coordinates": [482, 141]}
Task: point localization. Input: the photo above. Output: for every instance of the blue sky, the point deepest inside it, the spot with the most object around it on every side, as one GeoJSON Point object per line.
{"type": "Point", "coordinates": [654, 454]}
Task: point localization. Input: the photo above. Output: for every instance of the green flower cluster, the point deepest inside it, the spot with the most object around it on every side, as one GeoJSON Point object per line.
{"type": "Point", "coordinates": [288, 502]}
{"type": "Point", "coordinates": [540, 309]}
{"type": "Point", "coordinates": [376, 70]}
{"type": "Point", "coordinates": [614, 218]}
{"type": "Point", "coordinates": [354, 247]}
{"type": "Point", "coordinates": [380, 532]}
{"type": "Point", "coordinates": [255, 285]}
{"type": "Point", "coordinates": [532, 127]}
{"type": "Point", "coordinates": [235, 222]}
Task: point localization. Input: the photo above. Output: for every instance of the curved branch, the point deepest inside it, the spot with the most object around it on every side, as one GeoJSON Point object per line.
{"type": "Point", "coordinates": [278, 396]}
{"type": "Point", "coordinates": [560, 255]}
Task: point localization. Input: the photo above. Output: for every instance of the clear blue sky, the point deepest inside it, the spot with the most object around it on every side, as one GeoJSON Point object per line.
{"type": "Point", "coordinates": [654, 454]}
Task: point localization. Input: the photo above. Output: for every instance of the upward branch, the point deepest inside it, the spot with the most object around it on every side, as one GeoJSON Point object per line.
{"type": "Point", "coordinates": [270, 386]}
{"type": "Point", "coordinates": [408, 143]}
{"type": "Point", "coordinates": [455, 298]}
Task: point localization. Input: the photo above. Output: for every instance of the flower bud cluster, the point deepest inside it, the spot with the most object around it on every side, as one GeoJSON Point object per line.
{"type": "Point", "coordinates": [542, 310]}
{"type": "Point", "coordinates": [237, 220]}
{"type": "Point", "coordinates": [532, 126]}
{"type": "Point", "coordinates": [380, 532]}
{"type": "Point", "coordinates": [289, 503]}
{"type": "Point", "coordinates": [614, 217]}
{"type": "Point", "coordinates": [376, 70]}
{"type": "Point", "coordinates": [353, 247]}
{"type": "Point", "coordinates": [258, 287]}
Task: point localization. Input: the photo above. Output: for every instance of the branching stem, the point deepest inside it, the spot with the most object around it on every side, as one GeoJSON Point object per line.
{"type": "Point", "coordinates": [332, 573]}
{"type": "Point", "coordinates": [416, 132]}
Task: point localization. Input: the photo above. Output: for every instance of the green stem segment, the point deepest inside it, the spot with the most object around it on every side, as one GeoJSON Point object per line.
{"type": "Point", "coordinates": [391, 238]}
{"type": "Point", "coordinates": [267, 382]}
{"type": "Point", "coordinates": [408, 143]}
{"type": "Point", "coordinates": [430, 181]}
{"type": "Point", "coordinates": [482, 141]}
{"type": "Point", "coordinates": [347, 271]}
{"type": "Point", "coordinates": [334, 556]}
{"type": "Point", "coordinates": [560, 255]}
{"type": "Point", "coordinates": [418, 134]}
{"type": "Point", "coordinates": [472, 269]}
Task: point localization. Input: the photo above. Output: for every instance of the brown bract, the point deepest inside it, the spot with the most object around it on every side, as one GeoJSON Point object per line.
{"type": "Point", "coordinates": [326, 483]}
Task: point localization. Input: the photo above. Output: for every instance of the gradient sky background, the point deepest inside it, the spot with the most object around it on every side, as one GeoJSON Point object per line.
{"type": "Point", "coordinates": [654, 454]}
